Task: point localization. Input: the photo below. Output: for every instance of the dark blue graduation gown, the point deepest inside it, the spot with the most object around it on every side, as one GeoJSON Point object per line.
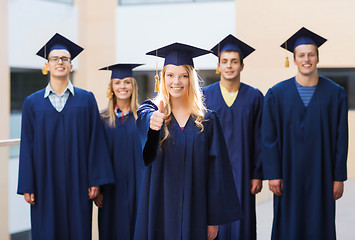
{"type": "Point", "coordinates": [189, 183]}
{"type": "Point", "coordinates": [117, 218]}
{"type": "Point", "coordinates": [241, 125]}
{"type": "Point", "coordinates": [62, 154]}
{"type": "Point", "coordinates": [307, 148]}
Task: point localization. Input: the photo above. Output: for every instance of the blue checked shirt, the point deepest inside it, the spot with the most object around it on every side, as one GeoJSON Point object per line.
{"type": "Point", "coordinates": [57, 101]}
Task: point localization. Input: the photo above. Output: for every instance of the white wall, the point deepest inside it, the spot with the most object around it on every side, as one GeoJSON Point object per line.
{"type": "Point", "coordinates": [32, 23]}
{"type": "Point", "coordinates": [144, 28]}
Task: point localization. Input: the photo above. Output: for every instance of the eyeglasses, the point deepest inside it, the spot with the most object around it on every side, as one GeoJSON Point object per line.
{"type": "Point", "coordinates": [56, 59]}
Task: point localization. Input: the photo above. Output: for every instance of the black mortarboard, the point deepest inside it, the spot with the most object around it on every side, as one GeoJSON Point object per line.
{"type": "Point", "coordinates": [121, 70]}
{"type": "Point", "coordinates": [178, 54]}
{"type": "Point", "coordinates": [303, 36]}
{"type": "Point", "coordinates": [232, 43]}
{"type": "Point", "coordinates": [59, 42]}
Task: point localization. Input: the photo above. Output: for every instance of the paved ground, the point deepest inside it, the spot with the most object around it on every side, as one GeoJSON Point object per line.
{"type": "Point", "coordinates": [345, 217]}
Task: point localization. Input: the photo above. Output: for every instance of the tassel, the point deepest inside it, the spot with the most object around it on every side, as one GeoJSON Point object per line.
{"type": "Point", "coordinates": [44, 69]}
{"type": "Point", "coordinates": [287, 63]}
{"type": "Point", "coordinates": [109, 92]}
{"type": "Point", "coordinates": [156, 87]}
{"type": "Point", "coordinates": [217, 70]}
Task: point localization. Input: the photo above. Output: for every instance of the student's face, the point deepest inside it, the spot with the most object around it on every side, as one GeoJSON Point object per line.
{"type": "Point", "coordinates": [230, 65]}
{"type": "Point", "coordinates": [177, 81]}
{"type": "Point", "coordinates": [59, 68]}
{"type": "Point", "coordinates": [306, 59]}
{"type": "Point", "coordinates": [122, 88]}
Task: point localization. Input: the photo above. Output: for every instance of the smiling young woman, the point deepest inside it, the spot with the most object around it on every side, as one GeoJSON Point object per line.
{"type": "Point", "coordinates": [118, 203]}
{"type": "Point", "coordinates": [187, 186]}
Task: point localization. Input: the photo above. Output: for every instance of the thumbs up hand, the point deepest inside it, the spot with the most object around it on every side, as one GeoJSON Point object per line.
{"type": "Point", "coordinates": [157, 118]}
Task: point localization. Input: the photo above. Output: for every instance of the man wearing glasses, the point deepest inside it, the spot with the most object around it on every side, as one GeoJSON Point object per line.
{"type": "Point", "coordinates": [63, 153]}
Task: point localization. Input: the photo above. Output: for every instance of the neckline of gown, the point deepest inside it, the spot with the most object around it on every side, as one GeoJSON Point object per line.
{"type": "Point", "coordinates": [235, 100]}
{"type": "Point", "coordinates": [299, 99]}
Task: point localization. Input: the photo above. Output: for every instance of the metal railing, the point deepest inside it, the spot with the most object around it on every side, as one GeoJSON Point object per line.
{"type": "Point", "coordinates": [9, 142]}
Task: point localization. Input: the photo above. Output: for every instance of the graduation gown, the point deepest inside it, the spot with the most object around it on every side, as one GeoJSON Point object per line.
{"type": "Point", "coordinates": [188, 185]}
{"type": "Point", "coordinates": [306, 147]}
{"type": "Point", "coordinates": [241, 125]}
{"type": "Point", "coordinates": [62, 154]}
{"type": "Point", "coordinates": [117, 217]}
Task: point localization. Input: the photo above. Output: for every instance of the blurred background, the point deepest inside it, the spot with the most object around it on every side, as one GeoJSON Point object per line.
{"type": "Point", "coordinates": [113, 31]}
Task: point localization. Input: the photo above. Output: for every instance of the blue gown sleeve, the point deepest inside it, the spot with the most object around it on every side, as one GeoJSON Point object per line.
{"type": "Point", "coordinates": [26, 179]}
{"type": "Point", "coordinates": [340, 172]}
{"type": "Point", "coordinates": [149, 138]}
{"type": "Point", "coordinates": [257, 171]}
{"type": "Point", "coordinates": [271, 151]}
{"type": "Point", "coordinates": [223, 202]}
{"type": "Point", "coordinates": [100, 169]}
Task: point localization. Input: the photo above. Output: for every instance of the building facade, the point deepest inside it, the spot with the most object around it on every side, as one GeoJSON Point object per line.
{"type": "Point", "coordinates": [123, 31]}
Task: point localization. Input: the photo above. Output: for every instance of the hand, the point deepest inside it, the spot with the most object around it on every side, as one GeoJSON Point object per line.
{"type": "Point", "coordinates": [99, 200]}
{"type": "Point", "coordinates": [93, 191]}
{"type": "Point", "coordinates": [30, 198]}
{"type": "Point", "coordinates": [338, 189]}
{"type": "Point", "coordinates": [212, 231]}
{"type": "Point", "coordinates": [276, 186]}
{"type": "Point", "coordinates": [255, 186]}
{"type": "Point", "coordinates": [157, 118]}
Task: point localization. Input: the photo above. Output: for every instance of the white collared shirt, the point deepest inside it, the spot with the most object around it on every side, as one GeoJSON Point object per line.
{"type": "Point", "coordinates": [57, 101]}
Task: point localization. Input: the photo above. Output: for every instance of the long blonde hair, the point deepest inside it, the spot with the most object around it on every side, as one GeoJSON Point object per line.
{"type": "Point", "coordinates": [196, 101]}
{"type": "Point", "coordinates": [109, 112]}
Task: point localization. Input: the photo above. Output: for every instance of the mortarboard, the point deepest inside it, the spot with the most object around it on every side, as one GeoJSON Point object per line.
{"type": "Point", "coordinates": [232, 43]}
{"type": "Point", "coordinates": [301, 37]}
{"type": "Point", "coordinates": [177, 54]}
{"type": "Point", "coordinates": [121, 70]}
{"type": "Point", "coordinates": [59, 42]}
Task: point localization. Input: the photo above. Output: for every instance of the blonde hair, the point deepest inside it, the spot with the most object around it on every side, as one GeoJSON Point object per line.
{"type": "Point", "coordinates": [196, 101]}
{"type": "Point", "coordinates": [109, 112]}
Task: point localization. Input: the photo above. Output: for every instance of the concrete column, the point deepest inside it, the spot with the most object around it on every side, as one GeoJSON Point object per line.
{"type": "Point", "coordinates": [4, 120]}
{"type": "Point", "coordinates": [97, 35]}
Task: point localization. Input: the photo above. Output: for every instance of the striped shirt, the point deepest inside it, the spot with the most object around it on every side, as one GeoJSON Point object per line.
{"type": "Point", "coordinates": [57, 101]}
{"type": "Point", "coordinates": [305, 92]}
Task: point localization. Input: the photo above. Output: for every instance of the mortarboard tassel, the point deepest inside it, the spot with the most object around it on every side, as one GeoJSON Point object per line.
{"type": "Point", "coordinates": [287, 62]}
{"type": "Point", "coordinates": [217, 69]}
{"type": "Point", "coordinates": [44, 69]}
{"type": "Point", "coordinates": [156, 85]}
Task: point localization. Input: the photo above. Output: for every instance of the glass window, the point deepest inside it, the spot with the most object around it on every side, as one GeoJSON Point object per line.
{"type": "Point", "coordinates": [345, 77]}
{"type": "Point", "coordinates": [62, 1]}
{"type": "Point", "coordinates": [23, 83]}
{"type": "Point", "coordinates": [132, 2]}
